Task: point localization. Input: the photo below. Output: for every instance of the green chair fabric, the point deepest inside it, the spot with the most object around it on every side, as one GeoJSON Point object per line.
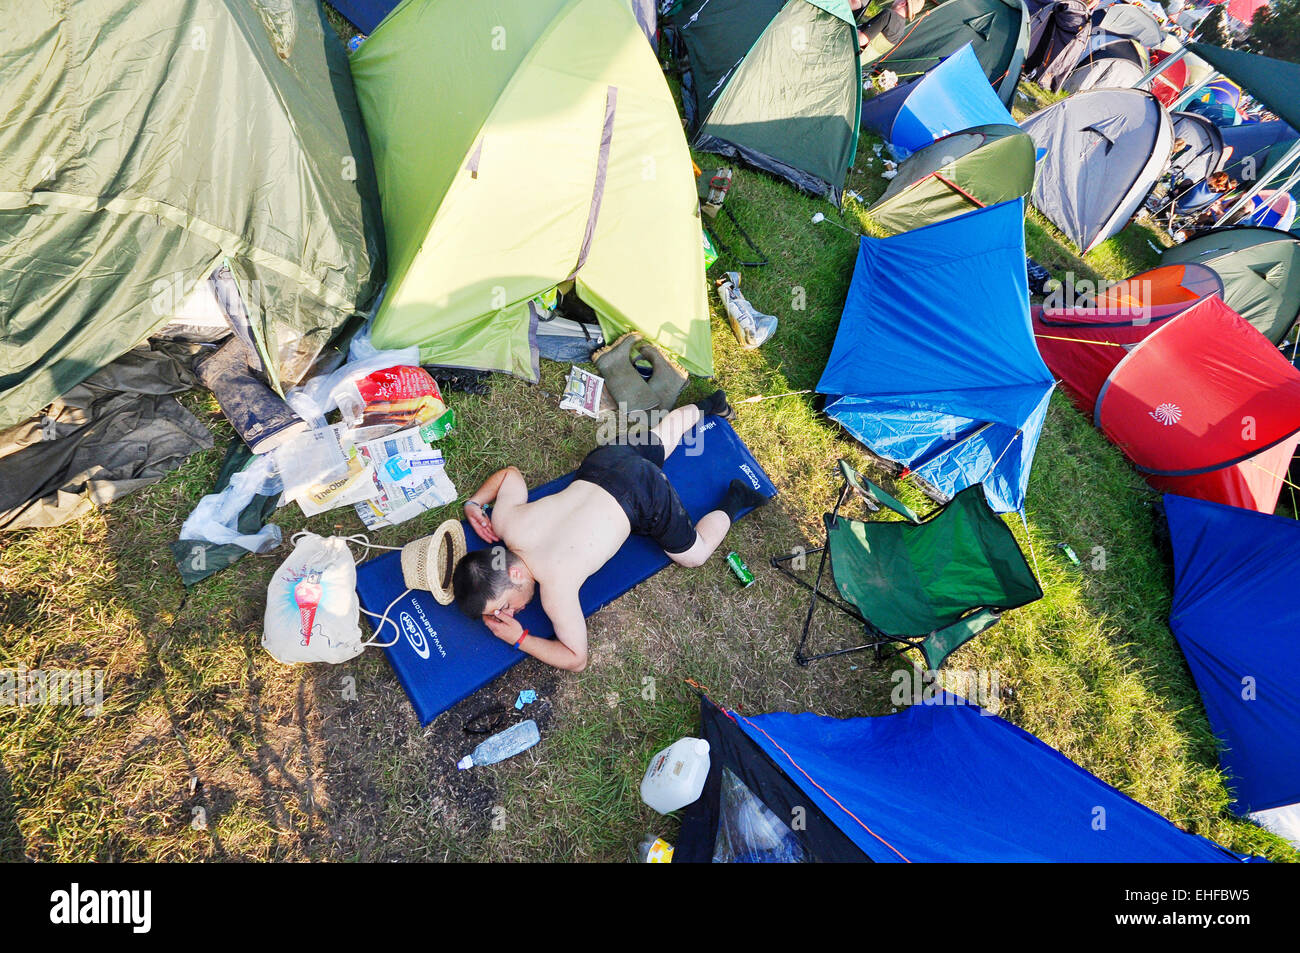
{"type": "Point", "coordinates": [932, 585]}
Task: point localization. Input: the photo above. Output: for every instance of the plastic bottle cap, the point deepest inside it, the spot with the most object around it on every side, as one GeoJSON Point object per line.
{"type": "Point", "coordinates": [701, 747]}
{"type": "Point", "coordinates": [465, 763]}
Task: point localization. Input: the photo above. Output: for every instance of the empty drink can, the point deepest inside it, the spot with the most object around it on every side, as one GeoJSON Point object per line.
{"type": "Point", "coordinates": [740, 569]}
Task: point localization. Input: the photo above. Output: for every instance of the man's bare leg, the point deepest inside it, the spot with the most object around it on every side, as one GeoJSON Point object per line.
{"type": "Point", "coordinates": [710, 531]}
{"type": "Point", "coordinates": [672, 426]}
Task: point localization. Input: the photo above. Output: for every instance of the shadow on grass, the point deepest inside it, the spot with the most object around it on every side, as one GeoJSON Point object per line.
{"type": "Point", "coordinates": [12, 849]}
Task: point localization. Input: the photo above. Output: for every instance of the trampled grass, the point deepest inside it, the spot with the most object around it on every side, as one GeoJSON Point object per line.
{"type": "Point", "coordinates": [208, 749]}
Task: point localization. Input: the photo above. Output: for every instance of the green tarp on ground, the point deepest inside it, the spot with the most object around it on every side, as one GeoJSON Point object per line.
{"type": "Point", "coordinates": [146, 140]}
{"type": "Point", "coordinates": [775, 83]}
{"type": "Point", "coordinates": [519, 146]}
{"type": "Point", "coordinates": [957, 174]}
{"type": "Point", "coordinates": [998, 31]}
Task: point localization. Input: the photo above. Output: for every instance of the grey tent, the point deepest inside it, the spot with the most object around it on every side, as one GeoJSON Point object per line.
{"type": "Point", "coordinates": [1058, 34]}
{"type": "Point", "coordinates": [1128, 20]}
{"type": "Point", "coordinates": [146, 141]}
{"type": "Point", "coordinates": [1259, 268]}
{"type": "Point", "coordinates": [1204, 153]}
{"type": "Point", "coordinates": [1104, 150]}
{"type": "Point", "coordinates": [1120, 64]}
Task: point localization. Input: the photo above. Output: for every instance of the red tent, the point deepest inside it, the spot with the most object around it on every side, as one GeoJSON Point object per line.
{"type": "Point", "coordinates": [1200, 402]}
{"type": "Point", "coordinates": [1171, 82]}
{"type": "Point", "coordinates": [1082, 344]}
{"type": "Point", "coordinates": [1243, 10]}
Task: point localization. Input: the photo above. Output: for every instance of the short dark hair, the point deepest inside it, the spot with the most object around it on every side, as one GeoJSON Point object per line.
{"type": "Point", "coordinates": [479, 577]}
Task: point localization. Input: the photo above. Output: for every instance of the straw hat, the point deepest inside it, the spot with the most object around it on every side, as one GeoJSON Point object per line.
{"type": "Point", "coordinates": [428, 563]}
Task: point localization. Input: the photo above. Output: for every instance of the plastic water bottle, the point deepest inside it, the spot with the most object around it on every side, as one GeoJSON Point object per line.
{"type": "Point", "coordinates": [502, 745]}
{"type": "Point", "coordinates": [676, 775]}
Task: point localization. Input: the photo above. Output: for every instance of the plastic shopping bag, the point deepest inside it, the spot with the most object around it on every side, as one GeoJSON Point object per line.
{"type": "Point", "coordinates": [312, 612]}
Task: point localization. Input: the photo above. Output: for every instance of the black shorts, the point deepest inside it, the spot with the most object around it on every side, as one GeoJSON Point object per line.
{"type": "Point", "coordinates": [633, 475]}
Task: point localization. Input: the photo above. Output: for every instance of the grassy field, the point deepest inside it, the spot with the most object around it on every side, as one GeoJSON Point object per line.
{"type": "Point", "coordinates": [208, 749]}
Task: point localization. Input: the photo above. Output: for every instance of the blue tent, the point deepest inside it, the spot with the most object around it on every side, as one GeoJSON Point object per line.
{"type": "Point", "coordinates": [952, 96]}
{"type": "Point", "coordinates": [1237, 619]}
{"type": "Point", "coordinates": [934, 365]}
{"type": "Point", "coordinates": [938, 781]}
{"type": "Point", "coordinates": [365, 15]}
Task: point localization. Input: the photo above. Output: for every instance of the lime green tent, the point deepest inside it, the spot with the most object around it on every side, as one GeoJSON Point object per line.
{"type": "Point", "coordinates": [520, 146]}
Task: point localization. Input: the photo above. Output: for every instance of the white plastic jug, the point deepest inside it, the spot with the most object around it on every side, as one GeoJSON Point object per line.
{"type": "Point", "coordinates": [676, 775]}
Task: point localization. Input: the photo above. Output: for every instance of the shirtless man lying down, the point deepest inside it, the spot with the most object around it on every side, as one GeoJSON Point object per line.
{"type": "Point", "coordinates": [556, 542]}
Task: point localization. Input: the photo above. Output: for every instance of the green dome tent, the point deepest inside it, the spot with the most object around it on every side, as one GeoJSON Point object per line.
{"type": "Point", "coordinates": [146, 141]}
{"type": "Point", "coordinates": [775, 83]}
{"type": "Point", "coordinates": [998, 30]}
{"type": "Point", "coordinates": [519, 147]}
{"type": "Point", "coordinates": [956, 174]}
{"type": "Point", "coordinates": [1260, 270]}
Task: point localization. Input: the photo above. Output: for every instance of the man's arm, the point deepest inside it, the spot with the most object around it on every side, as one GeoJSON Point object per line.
{"type": "Point", "coordinates": [507, 488]}
{"type": "Point", "coordinates": [568, 650]}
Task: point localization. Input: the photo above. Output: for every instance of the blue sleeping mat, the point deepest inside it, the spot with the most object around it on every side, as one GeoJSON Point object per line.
{"type": "Point", "coordinates": [443, 657]}
{"type": "Point", "coordinates": [364, 14]}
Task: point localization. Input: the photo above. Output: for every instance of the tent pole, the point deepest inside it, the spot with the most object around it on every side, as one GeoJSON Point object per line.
{"type": "Point", "coordinates": [1292, 155]}
{"type": "Point", "coordinates": [926, 461]}
{"type": "Point", "coordinates": [1187, 95]}
{"type": "Point", "coordinates": [1164, 64]}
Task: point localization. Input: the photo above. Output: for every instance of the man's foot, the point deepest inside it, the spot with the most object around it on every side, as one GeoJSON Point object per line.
{"type": "Point", "coordinates": [740, 496]}
{"type": "Point", "coordinates": [716, 404]}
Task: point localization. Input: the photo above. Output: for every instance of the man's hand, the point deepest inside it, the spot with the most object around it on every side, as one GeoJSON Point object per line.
{"type": "Point", "coordinates": [482, 525]}
{"type": "Point", "coordinates": [504, 627]}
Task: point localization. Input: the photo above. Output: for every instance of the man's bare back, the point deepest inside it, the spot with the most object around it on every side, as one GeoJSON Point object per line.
{"type": "Point", "coordinates": [565, 537]}
{"type": "Point", "coordinates": [555, 543]}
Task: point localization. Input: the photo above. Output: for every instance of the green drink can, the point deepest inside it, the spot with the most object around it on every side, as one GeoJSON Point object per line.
{"type": "Point", "coordinates": [740, 569]}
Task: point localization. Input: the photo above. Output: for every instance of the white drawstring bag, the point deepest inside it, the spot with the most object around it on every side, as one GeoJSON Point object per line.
{"type": "Point", "coordinates": [312, 612]}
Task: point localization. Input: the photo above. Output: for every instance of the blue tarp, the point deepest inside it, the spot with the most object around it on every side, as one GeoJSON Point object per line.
{"type": "Point", "coordinates": [1237, 618]}
{"type": "Point", "coordinates": [951, 782]}
{"type": "Point", "coordinates": [952, 96]}
{"type": "Point", "coordinates": [934, 365]}
{"type": "Point", "coordinates": [364, 14]}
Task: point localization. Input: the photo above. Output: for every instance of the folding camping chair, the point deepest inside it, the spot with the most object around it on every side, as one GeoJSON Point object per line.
{"type": "Point", "coordinates": [931, 585]}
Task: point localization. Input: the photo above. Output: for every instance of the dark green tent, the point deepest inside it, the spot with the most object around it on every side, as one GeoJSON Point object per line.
{"type": "Point", "coordinates": [775, 83]}
{"type": "Point", "coordinates": [956, 174]}
{"type": "Point", "coordinates": [147, 141]}
{"type": "Point", "coordinates": [998, 30]}
{"type": "Point", "coordinates": [1260, 270]}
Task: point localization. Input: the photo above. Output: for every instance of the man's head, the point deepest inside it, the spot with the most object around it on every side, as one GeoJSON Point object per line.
{"type": "Point", "coordinates": [1221, 182]}
{"type": "Point", "coordinates": [492, 581]}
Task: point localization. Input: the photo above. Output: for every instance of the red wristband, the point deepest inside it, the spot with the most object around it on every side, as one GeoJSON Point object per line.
{"type": "Point", "coordinates": [522, 635]}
